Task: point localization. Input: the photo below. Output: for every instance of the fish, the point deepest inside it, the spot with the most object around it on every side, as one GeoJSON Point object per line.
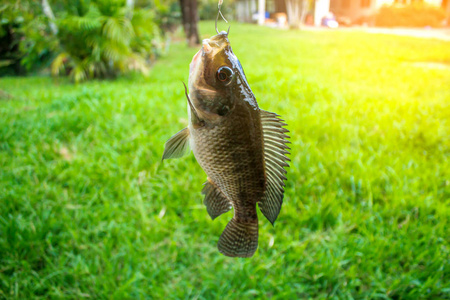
{"type": "Point", "coordinates": [242, 148]}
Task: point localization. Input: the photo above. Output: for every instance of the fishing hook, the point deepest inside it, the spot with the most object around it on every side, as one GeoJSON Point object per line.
{"type": "Point", "coordinates": [217, 17]}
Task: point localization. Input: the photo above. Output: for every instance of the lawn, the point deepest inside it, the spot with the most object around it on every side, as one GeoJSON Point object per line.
{"type": "Point", "coordinates": [88, 210]}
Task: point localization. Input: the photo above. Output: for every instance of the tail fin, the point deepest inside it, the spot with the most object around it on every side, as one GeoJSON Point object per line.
{"type": "Point", "coordinates": [239, 239]}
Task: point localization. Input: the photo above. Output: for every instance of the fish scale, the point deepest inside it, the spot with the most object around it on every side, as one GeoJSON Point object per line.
{"type": "Point", "coordinates": [233, 174]}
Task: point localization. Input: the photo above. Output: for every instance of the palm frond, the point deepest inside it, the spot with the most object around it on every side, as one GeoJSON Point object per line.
{"type": "Point", "coordinates": [78, 73]}
{"type": "Point", "coordinates": [104, 42]}
{"type": "Point", "coordinates": [58, 64]}
{"type": "Point", "coordinates": [118, 29]}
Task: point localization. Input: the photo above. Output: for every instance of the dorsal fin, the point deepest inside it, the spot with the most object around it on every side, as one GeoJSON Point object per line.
{"type": "Point", "coordinates": [215, 201]}
{"type": "Point", "coordinates": [275, 150]}
{"type": "Point", "coordinates": [177, 145]}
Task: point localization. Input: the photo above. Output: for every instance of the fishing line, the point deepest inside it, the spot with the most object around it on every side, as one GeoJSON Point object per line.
{"type": "Point", "coordinates": [217, 17]}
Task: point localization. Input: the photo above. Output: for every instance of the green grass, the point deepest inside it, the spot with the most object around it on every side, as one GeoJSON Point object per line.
{"type": "Point", "coordinates": [87, 209]}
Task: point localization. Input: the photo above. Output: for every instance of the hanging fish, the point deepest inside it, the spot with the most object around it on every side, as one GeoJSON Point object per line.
{"type": "Point", "coordinates": [241, 148]}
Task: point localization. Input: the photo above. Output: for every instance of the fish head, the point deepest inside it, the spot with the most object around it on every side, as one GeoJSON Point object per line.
{"type": "Point", "coordinates": [216, 78]}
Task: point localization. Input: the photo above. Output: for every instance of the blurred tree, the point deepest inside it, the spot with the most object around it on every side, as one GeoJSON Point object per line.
{"type": "Point", "coordinates": [296, 12]}
{"type": "Point", "coordinates": [49, 13]}
{"type": "Point", "coordinates": [207, 9]}
{"type": "Point", "coordinates": [10, 37]}
{"type": "Point", "coordinates": [168, 14]}
{"type": "Point", "coordinates": [189, 20]}
{"type": "Point", "coordinates": [130, 8]}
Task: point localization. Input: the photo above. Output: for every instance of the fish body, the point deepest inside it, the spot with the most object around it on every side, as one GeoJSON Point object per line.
{"type": "Point", "coordinates": [241, 148]}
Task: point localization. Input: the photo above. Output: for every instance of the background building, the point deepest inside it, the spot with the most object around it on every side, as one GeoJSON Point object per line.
{"type": "Point", "coordinates": [359, 9]}
{"type": "Point", "coordinates": [353, 10]}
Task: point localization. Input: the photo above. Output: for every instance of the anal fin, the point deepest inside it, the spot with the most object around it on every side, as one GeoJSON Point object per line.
{"type": "Point", "coordinates": [177, 145]}
{"type": "Point", "coordinates": [215, 201]}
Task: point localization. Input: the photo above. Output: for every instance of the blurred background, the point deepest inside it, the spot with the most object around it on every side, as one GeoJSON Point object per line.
{"type": "Point", "coordinates": [86, 39]}
{"type": "Point", "coordinates": [90, 90]}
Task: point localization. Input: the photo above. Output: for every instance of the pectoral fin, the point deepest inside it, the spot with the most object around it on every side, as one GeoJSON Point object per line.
{"type": "Point", "coordinates": [215, 201]}
{"type": "Point", "coordinates": [177, 145]}
{"type": "Point", "coordinates": [275, 150]}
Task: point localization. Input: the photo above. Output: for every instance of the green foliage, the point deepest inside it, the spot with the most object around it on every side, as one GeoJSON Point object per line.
{"type": "Point", "coordinates": [25, 43]}
{"type": "Point", "coordinates": [96, 38]}
{"type": "Point", "coordinates": [101, 39]}
{"type": "Point", "coordinates": [168, 14]}
{"type": "Point", "coordinates": [88, 210]}
{"type": "Point", "coordinates": [415, 14]}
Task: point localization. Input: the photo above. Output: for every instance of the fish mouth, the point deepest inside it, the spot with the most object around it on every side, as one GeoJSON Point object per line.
{"type": "Point", "coordinates": [215, 43]}
{"type": "Point", "coordinates": [206, 48]}
{"type": "Point", "coordinates": [209, 47]}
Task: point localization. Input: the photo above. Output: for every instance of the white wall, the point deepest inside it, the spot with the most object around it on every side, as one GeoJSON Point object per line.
{"type": "Point", "coordinates": [321, 9]}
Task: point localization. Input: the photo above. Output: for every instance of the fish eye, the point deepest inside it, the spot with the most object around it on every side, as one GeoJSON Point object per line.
{"type": "Point", "coordinates": [224, 74]}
